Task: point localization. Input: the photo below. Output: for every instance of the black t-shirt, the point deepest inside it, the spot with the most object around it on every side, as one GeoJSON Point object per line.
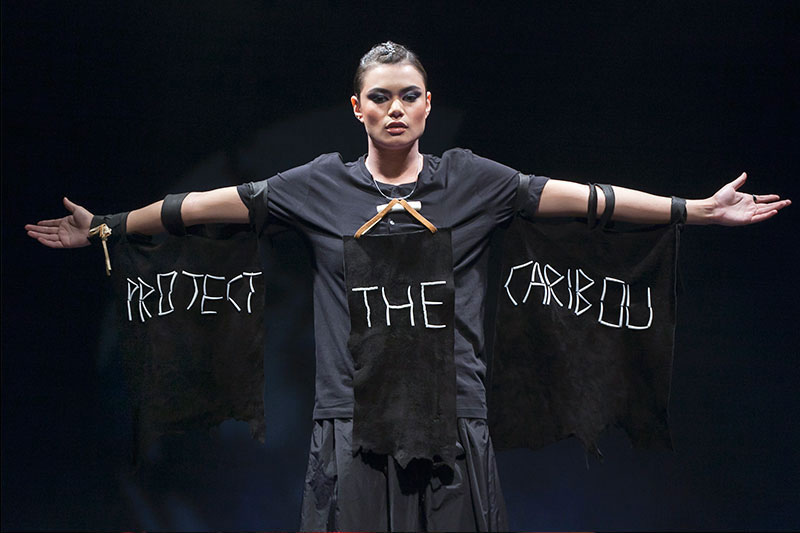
{"type": "Point", "coordinates": [328, 198]}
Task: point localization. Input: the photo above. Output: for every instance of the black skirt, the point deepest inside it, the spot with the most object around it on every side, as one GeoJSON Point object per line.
{"type": "Point", "coordinates": [370, 492]}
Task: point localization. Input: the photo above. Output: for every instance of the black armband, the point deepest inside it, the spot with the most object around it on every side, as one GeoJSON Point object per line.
{"type": "Point", "coordinates": [591, 209]}
{"type": "Point", "coordinates": [171, 214]}
{"type": "Point", "coordinates": [678, 212]}
{"type": "Point", "coordinates": [608, 192]}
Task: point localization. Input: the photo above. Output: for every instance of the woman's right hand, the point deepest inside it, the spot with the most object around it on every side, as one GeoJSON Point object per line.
{"type": "Point", "coordinates": [71, 231]}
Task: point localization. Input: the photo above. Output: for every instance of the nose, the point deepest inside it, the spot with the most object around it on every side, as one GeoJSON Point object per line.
{"type": "Point", "coordinates": [396, 110]}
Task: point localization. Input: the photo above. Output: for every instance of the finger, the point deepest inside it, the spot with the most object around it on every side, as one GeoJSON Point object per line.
{"type": "Point", "coordinates": [42, 229]}
{"type": "Point", "coordinates": [764, 216]}
{"type": "Point", "coordinates": [50, 244]}
{"type": "Point", "coordinates": [738, 182]}
{"type": "Point", "coordinates": [764, 198]}
{"type": "Point", "coordinates": [773, 206]}
{"type": "Point", "coordinates": [50, 222]}
{"type": "Point", "coordinates": [43, 236]}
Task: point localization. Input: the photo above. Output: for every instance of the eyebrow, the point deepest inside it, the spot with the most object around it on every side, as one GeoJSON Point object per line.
{"type": "Point", "coordinates": [405, 90]}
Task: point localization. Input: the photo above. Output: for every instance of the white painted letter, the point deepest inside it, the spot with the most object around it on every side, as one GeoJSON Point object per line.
{"type": "Point", "coordinates": [389, 306]}
{"type": "Point", "coordinates": [228, 292]}
{"type": "Point", "coordinates": [251, 275]}
{"type": "Point", "coordinates": [206, 297]}
{"type": "Point", "coordinates": [536, 272]}
{"type": "Point", "coordinates": [621, 303]}
{"type": "Point", "coordinates": [550, 293]}
{"type": "Point", "coordinates": [143, 308]}
{"type": "Point", "coordinates": [161, 311]}
{"type": "Point", "coordinates": [628, 311]}
{"type": "Point", "coordinates": [133, 288]}
{"type": "Point", "coordinates": [508, 281]}
{"type": "Point", "coordinates": [426, 303]}
{"type": "Point", "coordinates": [196, 288]}
{"type": "Point", "coordinates": [366, 301]}
{"type": "Point", "coordinates": [578, 290]}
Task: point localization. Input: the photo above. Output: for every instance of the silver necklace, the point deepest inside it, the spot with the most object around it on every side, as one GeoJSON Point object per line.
{"type": "Point", "coordinates": [419, 169]}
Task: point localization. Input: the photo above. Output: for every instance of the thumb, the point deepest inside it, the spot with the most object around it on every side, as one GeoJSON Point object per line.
{"type": "Point", "coordinates": [738, 182]}
{"type": "Point", "coordinates": [69, 205]}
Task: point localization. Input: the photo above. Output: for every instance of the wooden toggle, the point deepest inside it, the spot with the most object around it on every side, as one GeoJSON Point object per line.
{"type": "Point", "coordinates": [395, 201]}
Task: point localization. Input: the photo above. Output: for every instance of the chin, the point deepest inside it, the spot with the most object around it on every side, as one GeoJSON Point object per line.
{"type": "Point", "coordinates": [395, 142]}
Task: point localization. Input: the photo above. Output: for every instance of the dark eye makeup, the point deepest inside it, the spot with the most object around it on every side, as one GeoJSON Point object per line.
{"type": "Point", "coordinates": [379, 96]}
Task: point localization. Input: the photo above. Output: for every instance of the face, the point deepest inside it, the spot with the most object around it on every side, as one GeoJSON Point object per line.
{"type": "Point", "coordinates": [393, 105]}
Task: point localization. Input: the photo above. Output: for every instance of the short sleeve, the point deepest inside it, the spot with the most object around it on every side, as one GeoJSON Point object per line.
{"type": "Point", "coordinates": [254, 195]}
{"type": "Point", "coordinates": [279, 199]}
{"type": "Point", "coordinates": [528, 195]}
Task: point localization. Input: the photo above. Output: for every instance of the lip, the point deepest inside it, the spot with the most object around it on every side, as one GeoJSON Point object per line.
{"type": "Point", "coordinates": [396, 127]}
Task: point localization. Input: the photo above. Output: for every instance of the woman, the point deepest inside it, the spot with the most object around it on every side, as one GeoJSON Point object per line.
{"type": "Point", "coordinates": [328, 200]}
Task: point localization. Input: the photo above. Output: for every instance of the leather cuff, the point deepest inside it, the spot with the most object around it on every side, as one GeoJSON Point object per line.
{"type": "Point", "coordinates": [678, 212]}
{"type": "Point", "coordinates": [171, 214]}
{"type": "Point", "coordinates": [608, 212]}
{"type": "Point", "coordinates": [116, 223]}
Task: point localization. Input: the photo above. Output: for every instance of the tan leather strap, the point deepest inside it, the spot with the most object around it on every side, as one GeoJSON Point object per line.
{"type": "Point", "coordinates": [414, 213]}
{"type": "Point", "coordinates": [374, 220]}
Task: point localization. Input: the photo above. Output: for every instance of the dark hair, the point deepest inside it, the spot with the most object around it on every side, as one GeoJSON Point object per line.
{"type": "Point", "coordinates": [387, 53]}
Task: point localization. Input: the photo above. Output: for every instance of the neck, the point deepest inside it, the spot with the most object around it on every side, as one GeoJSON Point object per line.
{"type": "Point", "coordinates": [394, 166]}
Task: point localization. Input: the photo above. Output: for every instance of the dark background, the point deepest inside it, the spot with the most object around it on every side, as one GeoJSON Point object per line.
{"type": "Point", "coordinates": [116, 105]}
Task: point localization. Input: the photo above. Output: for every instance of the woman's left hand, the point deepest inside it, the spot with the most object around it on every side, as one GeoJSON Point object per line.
{"type": "Point", "coordinates": [734, 208]}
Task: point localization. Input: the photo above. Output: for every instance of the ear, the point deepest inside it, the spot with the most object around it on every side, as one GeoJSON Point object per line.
{"type": "Point", "coordinates": [356, 108]}
{"type": "Point", "coordinates": [427, 104]}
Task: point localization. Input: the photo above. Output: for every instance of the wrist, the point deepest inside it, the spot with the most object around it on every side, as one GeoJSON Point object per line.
{"type": "Point", "coordinates": [115, 223]}
{"type": "Point", "coordinates": [700, 211]}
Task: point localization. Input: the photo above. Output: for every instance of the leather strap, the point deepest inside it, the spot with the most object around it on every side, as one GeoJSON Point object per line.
{"type": "Point", "coordinates": [678, 212]}
{"type": "Point", "coordinates": [414, 213]}
{"type": "Point", "coordinates": [171, 214]}
{"type": "Point", "coordinates": [608, 192]}
{"type": "Point", "coordinates": [591, 209]}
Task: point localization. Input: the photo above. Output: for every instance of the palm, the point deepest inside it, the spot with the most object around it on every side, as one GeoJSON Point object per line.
{"type": "Point", "coordinates": [734, 208]}
{"type": "Point", "coordinates": [70, 231]}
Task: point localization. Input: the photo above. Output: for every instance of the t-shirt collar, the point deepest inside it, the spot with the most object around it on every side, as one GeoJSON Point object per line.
{"type": "Point", "coordinates": [424, 175]}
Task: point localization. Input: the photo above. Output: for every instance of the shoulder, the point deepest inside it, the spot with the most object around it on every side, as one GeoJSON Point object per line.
{"type": "Point", "coordinates": [320, 163]}
{"type": "Point", "coordinates": [466, 162]}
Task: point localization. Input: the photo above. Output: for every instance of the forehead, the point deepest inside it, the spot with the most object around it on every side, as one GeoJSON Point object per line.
{"type": "Point", "coordinates": [392, 77]}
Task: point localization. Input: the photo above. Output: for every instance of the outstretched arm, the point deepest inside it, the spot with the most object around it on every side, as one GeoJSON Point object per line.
{"type": "Point", "coordinates": [728, 206]}
{"type": "Point", "coordinates": [71, 231]}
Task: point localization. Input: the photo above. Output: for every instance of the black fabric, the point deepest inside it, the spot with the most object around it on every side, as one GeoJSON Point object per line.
{"type": "Point", "coordinates": [191, 332]}
{"type": "Point", "coordinates": [522, 192]}
{"type": "Point", "coordinates": [329, 198]}
{"type": "Point", "coordinates": [171, 214]}
{"type": "Point", "coordinates": [557, 370]}
{"type": "Point", "coordinates": [347, 491]}
{"type": "Point", "coordinates": [608, 212]}
{"type": "Point", "coordinates": [256, 198]}
{"type": "Point", "coordinates": [401, 340]}
{"type": "Point", "coordinates": [116, 223]}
